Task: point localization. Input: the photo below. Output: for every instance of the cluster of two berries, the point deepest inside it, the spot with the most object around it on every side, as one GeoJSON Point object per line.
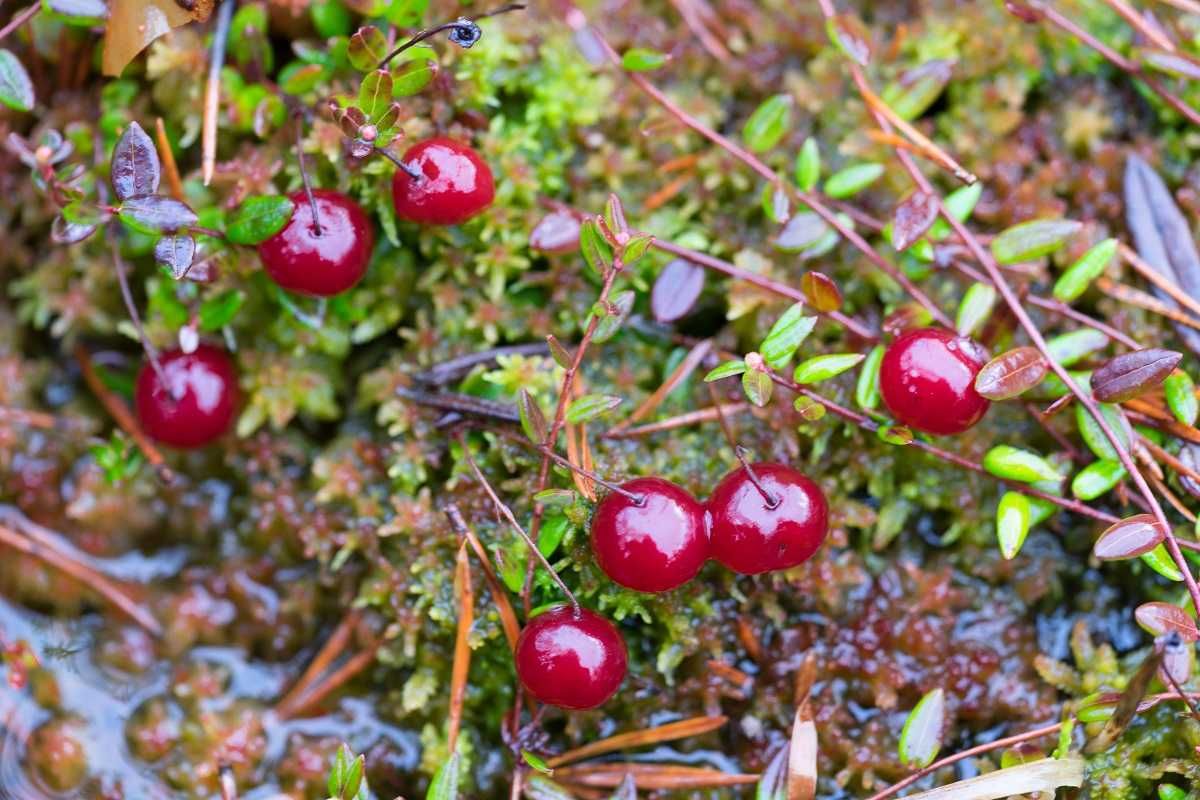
{"type": "Point", "coordinates": [194, 399]}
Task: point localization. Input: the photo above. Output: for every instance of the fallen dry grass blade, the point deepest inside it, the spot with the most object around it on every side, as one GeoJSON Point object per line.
{"type": "Point", "coordinates": [651, 776]}
{"type": "Point", "coordinates": [462, 645]}
{"type": "Point", "coordinates": [1045, 775]}
{"type": "Point", "coordinates": [686, 367]}
{"type": "Point", "coordinates": [647, 736]}
{"type": "Point", "coordinates": [1127, 706]}
{"type": "Point", "coordinates": [334, 645]}
{"type": "Point", "coordinates": [508, 615]}
{"type": "Point", "coordinates": [802, 756]}
{"type": "Point", "coordinates": [168, 160]}
{"type": "Point", "coordinates": [924, 145]}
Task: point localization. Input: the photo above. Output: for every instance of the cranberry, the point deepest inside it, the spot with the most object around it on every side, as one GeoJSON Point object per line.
{"type": "Point", "coordinates": [198, 402]}
{"type": "Point", "coordinates": [654, 545]}
{"type": "Point", "coordinates": [927, 379]}
{"type": "Point", "coordinates": [456, 186]}
{"type": "Point", "coordinates": [571, 658]}
{"type": "Point", "coordinates": [751, 534]}
{"type": "Point", "coordinates": [299, 260]}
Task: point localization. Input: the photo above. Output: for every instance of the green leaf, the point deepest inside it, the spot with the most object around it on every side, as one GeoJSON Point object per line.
{"type": "Point", "coordinates": [808, 408]}
{"type": "Point", "coordinates": [1068, 348]}
{"type": "Point", "coordinates": [533, 421]}
{"type": "Point", "coordinates": [1097, 478]}
{"type": "Point", "coordinates": [808, 165]}
{"type": "Point", "coordinates": [444, 785]}
{"type": "Point", "coordinates": [921, 737]}
{"type": "Point", "coordinates": [1169, 791]}
{"type": "Point", "coordinates": [594, 247]}
{"type": "Point", "coordinates": [975, 308]}
{"type": "Point", "coordinates": [1015, 464]}
{"type": "Point", "coordinates": [533, 760]}
{"type": "Point", "coordinates": [768, 124]}
{"type": "Point", "coordinates": [259, 218]}
{"type": "Point", "coordinates": [757, 386]}
{"type": "Point", "coordinates": [917, 88]}
{"type": "Point", "coordinates": [850, 35]}
{"type": "Point", "coordinates": [337, 772]}
{"type": "Point", "coordinates": [1094, 437]}
{"type": "Point", "coordinates": [960, 203]}
{"type": "Point", "coordinates": [1091, 265]}
{"type": "Point", "coordinates": [786, 335]}
{"type": "Point", "coordinates": [1033, 239]}
{"type": "Point", "coordinates": [553, 531]}
{"type": "Point", "coordinates": [77, 12]}
{"type": "Point", "coordinates": [367, 48]}
{"type": "Point", "coordinates": [16, 89]}
{"type": "Point", "coordinates": [1161, 562]}
{"type": "Point", "coordinates": [822, 368]}
{"type": "Point", "coordinates": [591, 406]}
{"type": "Point", "coordinates": [853, 179]}
{"type": "Point", "coordinates": [866, 391]}
{"type": "Point", "coordinates": [613, 315]}
{"type": "Point", "coordinates": [642, 59]}
{"type": "Point", "coordinates": [775, 203]}
{"type": "Point", "coordinates": [726, 370]}
{"type": "Point", "coordinates": [635, 248]}
{"type": "Point", "coordinates": [217, 312]}
{"type": "Point", "coordinates": [302, 79]}
{"type": "Point", "coordinates": [1180, 393]}
{"type": "Point", "coordinates": [413, 76]}
{"type": "Point", "coordinates": [375, 93]}
{"type": "Point", "coordinates": [894, 434]}
{"type": "Point", "coordinates": [1013, 516]}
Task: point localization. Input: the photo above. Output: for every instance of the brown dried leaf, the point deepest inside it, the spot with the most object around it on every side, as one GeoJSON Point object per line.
{"type": "Point", "coordinates": [1129, 538]}
{"type": "Point", "coordinates": [1011, 373]}
{"type": "Point", "coordinates": [676, 289]}
{"type": "Point", "coordinates": [134, 24]}
{"type": "Point", "coordinates": [802, 756]}
{"type": "Point", "coordinates": [913, 217]}
{"type": "Point", "coordinates": [1128, 375]}
{"type": "Point", "coordinates": [821, 292]}
{"type": "Point", "coordinates": [1177, 657]}
{"type": "Point", "coordinates": [1159, 618]}
{"type": "Point", "coordinates": [647, 736]}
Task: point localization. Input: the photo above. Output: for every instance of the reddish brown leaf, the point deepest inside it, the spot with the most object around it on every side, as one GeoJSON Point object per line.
{"type": "Point", "coordinates": [558, 232]}
{"type": "Point", "coordinates": [1159, 618]}
{"type": "Point", "coordinates": [821, 292]}
{"type": "Point", "coordinates": [1129, 538]}
{"type": "Point", "coordinates": [913, 217]}
{"type": "Point", "coordinates": [676, 290]}
{"type": "Point", "coordinates": [1011, 373]}
{"type": "Point", "coordinates": [1024, 11]}
{"type": "Point", "coordinates": [1128, 375]}
{"type": "Point", "coordinates": [134, 24]}
{"type": "Point", "coordinates": [135, 168]}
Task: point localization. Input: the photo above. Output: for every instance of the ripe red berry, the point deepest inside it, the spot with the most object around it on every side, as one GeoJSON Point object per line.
{"type": "Point", "coordinates": [751, 534]}
{"type": "Point", "coordinates": [197, 403]}
{"type": "Point", "coordinates": [653, 546]}
{"type": "Point", "coordinates": [456, 186]}
{"type": "Point", "coordinates": [927, 380]}
{"type": "Point", "coordinates": [299, 260]}
{"type": "Point", "coordinates": [571, 658]}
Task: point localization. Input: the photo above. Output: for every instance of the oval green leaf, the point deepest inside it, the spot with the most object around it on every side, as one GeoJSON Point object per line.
{"type": "Point", "coordinates": [259, 218]}
{"type": "Point", "coordinates": [1013, 515]}
{"type": "Point", "coordinates": [768, 124]}
{"type": "Point", "coordinates": [1015, 464]}
{"type": "Point", "coordinates": [852, 180]}
{"type": "Point", "coordinates": [1079, 276]}
{"type": "Point", "coordinates": [1033, 239]}
{"type": "Point", "coordinates": [921, 737]}
{"type": "Point", "coordinates": [821, 368]}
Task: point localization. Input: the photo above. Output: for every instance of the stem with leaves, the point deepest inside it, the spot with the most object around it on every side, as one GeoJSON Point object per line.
{"type": "Point", "coordinates": [465, 32]}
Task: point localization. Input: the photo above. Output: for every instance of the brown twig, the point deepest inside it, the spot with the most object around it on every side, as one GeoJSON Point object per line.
{"type": "Point", "coordinates": [212, 90]}
{"type": "Point", "coordinates": [20, 18]}
{"type": "Point", "coordinates": [340, 676]}
{"type": "Point", "coordinates": [924, 145]}
{"type": "Point", "coordinates": [682, 729]}
{"type": "Point", "coordinates": [1139, 24]}
{"type": "Point", "coordinates": [1164, 283]}
{"type": "Point", "coordinates": [328, 653]}
{"type": "Point", "coordinates": [1136, 297]}
{"type": "Point", "coordinates": [124, 418]}
{"type": "Point", "coordinates": [168, 160]}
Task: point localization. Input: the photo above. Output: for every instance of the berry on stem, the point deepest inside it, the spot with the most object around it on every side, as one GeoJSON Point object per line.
{"type": "Point", "coordinates": [927, 381]}
{"type": "Point", "coordinates": [651, 537]}
{"type": "Point", "coordinates": [325, 261]}
{"type": "Point", "coordinates": [194, 402]}
{"type": "Point", "coordinates": [571, 658]}
{"type": "Point", "coordinates": [454, 185]}
{"type": "Point", "coordinates": [766, 516]}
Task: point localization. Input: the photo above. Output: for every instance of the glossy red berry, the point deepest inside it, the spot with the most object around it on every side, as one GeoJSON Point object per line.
{"type": "Point", "coordinates": [456, 184]}
{"type": "Point", "coordinates": [299, 260]}
{"type": "Point", "coordinates": [654, 545]}
{"type": "Point", "coordinates": [198, 401]}
{"type": "Point", "coordinates": [751, 534]}
{"type": "Point", "coordinates": [571, 658]}
{"type": "Point", "coordinates": [927, 380]}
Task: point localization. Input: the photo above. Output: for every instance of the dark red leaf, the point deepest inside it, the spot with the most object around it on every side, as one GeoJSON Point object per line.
{"type": "Point", "coordinates": [558, 232]}
{"type": "Point", "coordinates": [1129, 538]}
{"type": "Point", "coordinates": [1159, 618]}
{"type": "Point", "coordinates": [64, 232]}
{"type": "Point", "coordinates": [801, 231]}
{"type": "Point", "coordinates": [821, 292]}
{"type": "Point", "coordinates": [1128, 375]}
{"type": "Point", "coordinates": [913, 217]}
{"type": "Point", "coordinates": [1011, 373]}
{"type": "Point", "coordinates": [676, 289]}
{"type": "Point", "coordinates": [176, 253]}
{"type": "Point", "coordinates": [156, 213]}
{"type": "Point", "coordinates": [135, 168]}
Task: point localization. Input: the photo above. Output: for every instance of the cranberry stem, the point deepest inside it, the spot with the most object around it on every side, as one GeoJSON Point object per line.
{"type": "Point", "coordinates": [312, 200]}
{"type": "Point", "coordinates": [136, 319]}
{"type": "Point", "coordinates": [407, 169]}
{"type": "Point", "coordinates": [638, 499]}
{"type": "Point", "coordinates": [445, 26]}
{"type": "Point", "coordinates": [508, 515]}
{"type": "Point", "coordinates": [772, 500]}
{"type": "Point", "coordinates": [20, 19]}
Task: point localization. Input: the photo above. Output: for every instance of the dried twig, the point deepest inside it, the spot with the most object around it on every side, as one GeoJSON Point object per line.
{"type": "Point", "coordinates": [462, 646]}
{"type": "Point", "coordinates": [328, 653]}
{"type": "Point", "coordinates": [686, 367]}
{"type": "Point", "coordinates": [168, 160]}
{"type": "Point", "coordinates": [508, 617]}
{"type": "Point", "coordinates": [709, 414]}
{"type": "Point", "coordinates": [20, 18]}
{"type": "Point", "coordinates": [212, 90]}
{"type": "Point", "coordinates": [648, 736]}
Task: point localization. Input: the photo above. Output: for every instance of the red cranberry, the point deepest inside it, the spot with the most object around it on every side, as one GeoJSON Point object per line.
{"type": "Point", "coordinates": [198, 402]}
{"type": "Point", "coordinates": [751, 534]}
{"type": "Point", "coordinates": [456, 186]}
{"type": "Point", "coordinates": [927, 379]}
{"type": "Point", "coordinates": [653, 546]}
{"type": "Point", "coordinates": [571, 658]}
{"type": "Point", "coordinates": [299, 260]}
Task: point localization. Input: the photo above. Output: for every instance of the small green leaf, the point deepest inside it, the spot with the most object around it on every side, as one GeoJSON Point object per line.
{"type": "Point", "coordinates": [1097, 478]}
{"type": "Point", "coordinates": [531, 759]}
{"type": "Point", "coordinates": [786, 335]}
{"type": "Point", "coordinates": [808, 408]}
{"type": "Point", "coordinates": [726, 370]}
{"type": "Point", "coordinates": [259, 218]}
{"type": "Point", "coordinates": [822, 368]}
{"type": "Point", "coordinates": [594, 247]}
{"type": "Point", "coordinates": [769, 123]}
{"type": "Point", "coordinates": [1012, 523]}
{"type": "Point", "coordinates": [613, 315]}
{"type": "Point", "coordinates": [635, 248]}
{"type": "Point", "coordinates": [642, 59]}
{"type": "Point", "coordinates": [916, 89]}
{"type": "Point", "coordinates": [853, 179]}
{"type": "Point", "coordinates": [1069, 348]}
{"type": "Point", "coordinates": [894, 434]}
{"type": "Point", "coordinates": [375, 93]}
{"type": "Point", "coordinates": [1169, 791]}
{"type": "Point", "coordinates": [960, 203]}
{"type": "Point", "coordinates": [1033, 239]}
{"type": "Point", "coordinates": [553, 531]}
{"type": "Point", "coordinates": [302, 79]}
{"type": "Point", "coordinates": [850, 35]}
{"type": "Point", "coordinates": [1091, 265]}
{"type": "Point", "coordinates": [775, 203]}
{"type": "Point", "coordinates": [217, 312]}
{"type": "Point", "coordinates": [1180, 393]}
{"type": "Point", "coordinates": [975, 308]}
{"type": "Point", "coordinates": [1161, 562]}
{"type": "Point", "coordinates": [1015, 464]}
{"type": "Point", "coordinates": [757, 386]}
{"type": "Point", "coordinates": [367, 48]}
{"type": "Point", "coordinates": [1093, 436]}
{"type": "Point", "coordinates": [808, 165]}
{"type": "Point", "coordinates": [533, 421]}
{"type": "Point", "coordinates": [337, 772]}
{"type": "Point", "coordinates": [444, 785]}
{"type": "Point", "coordinates": [866, 391]}
{"type": "Point", "coordinates": [413, 76]}
{"type": "Point", "coordinates": [16, 89]}
{"type": "Point", "coordinates": [921, 737]}
{"type": "Point", "coordinates": [555, 498]}
{"type": "Point", "coordinates": [591, 406]}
